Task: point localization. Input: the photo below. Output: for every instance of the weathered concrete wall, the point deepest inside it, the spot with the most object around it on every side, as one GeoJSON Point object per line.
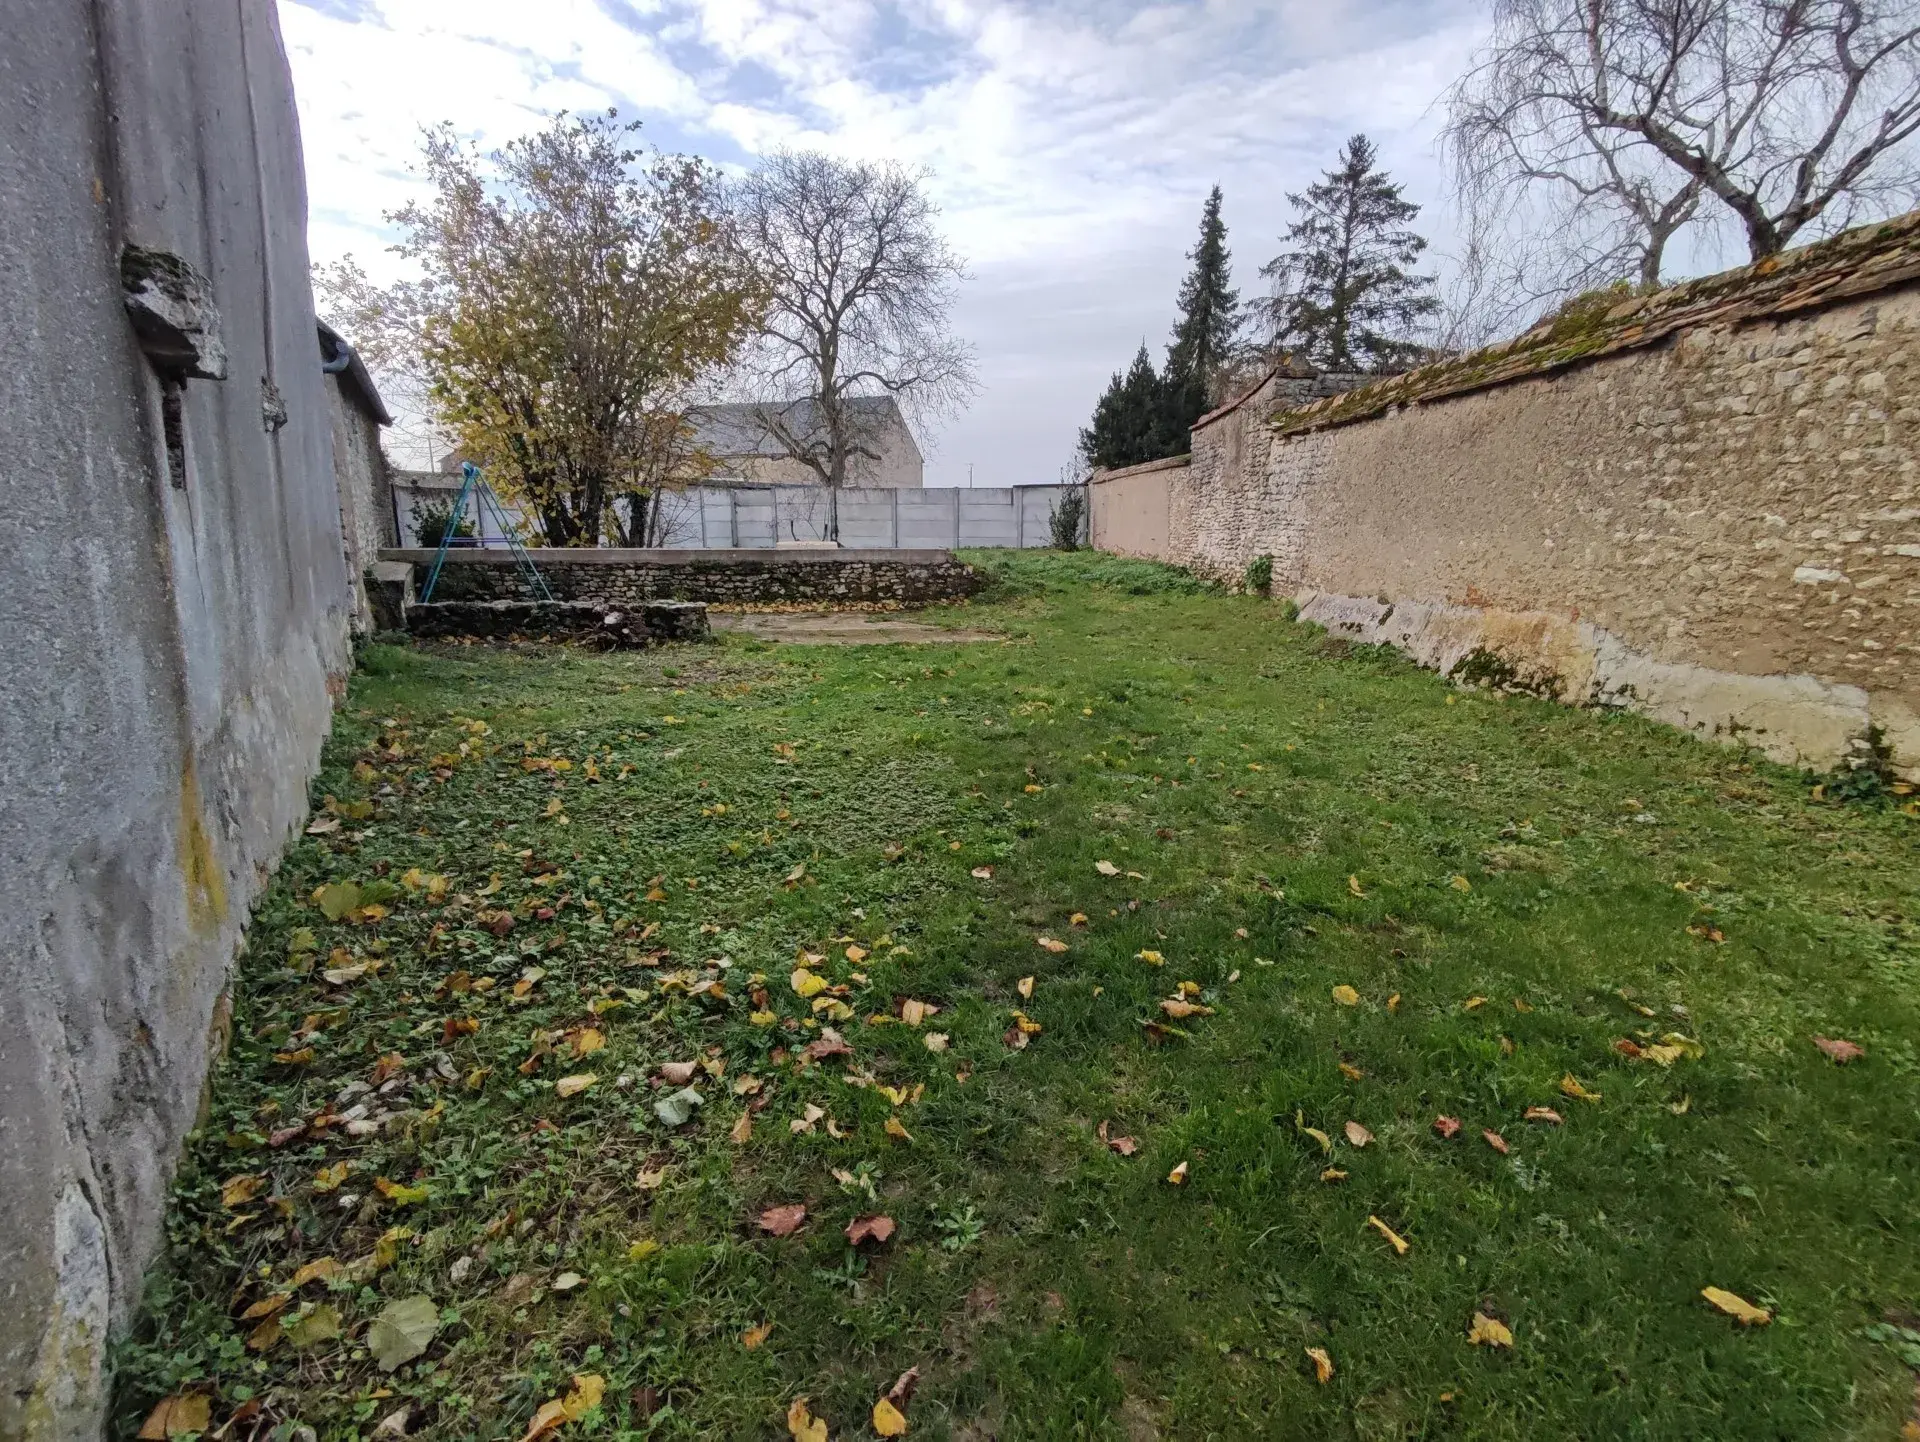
{"type": "Point", "coordinates": [366, 492]}
{"type": "Point", "coordinates": [1127, 508]}
{"type": "Point", "coordinates": [617, 577]}
{"type": "Point", "coordinates": [1705, 506]}
{"type": "Point", "coordinates": [172, 646]}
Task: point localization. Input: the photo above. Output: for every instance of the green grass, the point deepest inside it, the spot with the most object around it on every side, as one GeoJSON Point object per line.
{"type": "Point", "coordinates": [1300, 816]}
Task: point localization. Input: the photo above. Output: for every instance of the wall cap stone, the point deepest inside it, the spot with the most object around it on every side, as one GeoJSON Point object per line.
{"type": "Point", "coordinates": [636, 556]}
{"type": "Point", "coordinates": [1165, 463]}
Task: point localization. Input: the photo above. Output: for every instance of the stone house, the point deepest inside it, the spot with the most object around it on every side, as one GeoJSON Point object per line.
{"type": "Point", "coordinates": [739, 437]}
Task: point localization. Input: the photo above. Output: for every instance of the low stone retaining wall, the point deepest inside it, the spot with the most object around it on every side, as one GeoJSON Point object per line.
{"type": "Point", "coordinates": [608, 627]}
{"type": "Point", "coordinates": [625, 578]}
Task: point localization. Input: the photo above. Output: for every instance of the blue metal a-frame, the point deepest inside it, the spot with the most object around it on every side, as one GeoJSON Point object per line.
{"type": "Point", "coordinates": [473, 484]}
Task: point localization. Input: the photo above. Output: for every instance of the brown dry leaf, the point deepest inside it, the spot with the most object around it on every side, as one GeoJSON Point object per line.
{"type": "Point", "coordinates": [678, 1073]}
{"type": "Point", "coordinates": [1178, 1176]}
{"type": "Point", "coordinates": [1358, 1135]}
{"type": "Point", "coordinates": [802, 1425]}
{"type": "Point", "coordinates": [573, 1085]}
{"type": "Point", "coordinates": [1485, 1331]}
{"type": "Point", "coordinates": [1571, 1086]}
{"type": "Point", "coordinates": [1736, 1307]}
{"type": "Point", "coordinates": [888, 1420]}
{"type": "Point", "coordinates": [783, 1221]}
{"type": "Point", "coordinates": [898, 1132]}
{"type": "Point", "coordinates": [266, 1306]}
{"type": "Point", "coordinates": [1543, 1114]}
{"type": "Point", "coordinates": [1025, 987]}
{"type": "Point", "coordinates": [901, 1392]}
{"type": "Point", "coordinates": [983, 873]}
{"type": "Point", "coordinates": [913, 1012]}
{"type": "Point", "coordinates": [1125, 1146]}
{"type": "Point", "coordinates": [1179, 1008]}
{"type": "Point", "coordinates": [178, 1415]}
{"type": "Point", "coordinates": [1840, 1051]}
{"type": "Point", "coordinates": [869, 1229]}
{"type": "Point", "coordinates": [1322, 1364]}
{"type": "Point", "coordinates": [1047, 943]}
{"type": "Point", "coordinates": [1014, 1039]}
{"type": "Point", "coordinates": [1400, 1243]}
{"type": "Point", "coordinates": [856, 954]}
{"type": "Point", "coordinates": [321, 1269]}
{"type": "Point", "coordinates": [1346, 995]}
{"type": "Point", "coordinates": [755, 1335]}
{"type": "Point", "coordinates": [1495, 1140]}
{"type": "Point", "coordinates": [742, 1130]}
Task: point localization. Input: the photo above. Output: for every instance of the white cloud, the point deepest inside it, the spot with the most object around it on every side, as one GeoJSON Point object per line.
{"type": "Point", "coordinates": [1070, 142]}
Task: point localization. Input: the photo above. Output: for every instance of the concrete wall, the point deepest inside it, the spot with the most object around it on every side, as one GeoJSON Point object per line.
{"type": "Point", "coordinates": [1127, 508]}
{"type": "Point", "coordinates": [173, 645]}
{"type": "Point", "coordinates": [1704, 505]}
{"type": "Point", "coordinates": [732, 517]}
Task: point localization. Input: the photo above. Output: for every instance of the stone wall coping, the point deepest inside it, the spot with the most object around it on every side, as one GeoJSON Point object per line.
{"type": "Point", "coordinates": [637, 556]}
{"type": "Point", "coordinates": [1855, 263]}
{"type": "Point", "coordinates": [1165, 463]}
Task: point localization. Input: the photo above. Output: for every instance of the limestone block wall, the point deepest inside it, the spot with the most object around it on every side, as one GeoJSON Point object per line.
{"type": "Point", "coordinates": [1711, 512]}
{"type": "Point", "coordinates": [618, 577]}
{"type": "Point", "coordinates": [176, 607]}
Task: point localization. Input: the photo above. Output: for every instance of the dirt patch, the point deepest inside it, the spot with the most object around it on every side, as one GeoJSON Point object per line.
{"type": "Point", "coordinates": [842, 628]}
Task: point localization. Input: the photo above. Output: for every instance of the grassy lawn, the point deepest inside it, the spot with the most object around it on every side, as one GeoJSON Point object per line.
{"type": "Point", "coordinates": [544, 866]}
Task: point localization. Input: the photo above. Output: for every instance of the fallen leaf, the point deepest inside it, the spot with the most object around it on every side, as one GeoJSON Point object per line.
{"type": "Point", "coordinates": [829, 1043]}
{"type": "Point", "coordinates": [742, 1130]}
{"type": "Point", "coordinates": [1333, 1174]}
{"type": "Point", "coordinates": [588, 1039]}
{"type": "Point", "coordinates": [1347, 1068]}
{"type": "Point", "coordinates": [856, 954]}
{"type": "Point", "coordinates": [1322, 1364]}
{"type": "Point", "coordinates": [1106, 868]}
{"type": "Point", "coordinates": [1393, 1002]}
{"type": "Point", "coordinates": [869, 1229]}
{"type": "Point", "coordinates": [901, 1392]}
{"type": "Point", "coordinates": [1353, 886]}
{"type": "Point", "coordinates": [320, 1324]}
{"type": "Point", "coordinates": [1738, 1308]}
{"type": "Point", "coordinates": [1178, 1176]}
{"type": "Point", "coordinates": [1400, 1243]}
{"type": "Point", "coordinates": [1326, 1142]}
{"type": "Point", "coordinates": [1151, 958]}
{"type": "Point", "coordinates": [549, 1416]}
{"type": "Point", "coordinates": [1840, 1051]}
{"type": "Point", "coordinates": [178, 1415]}
{"type": "Point", "coordinates": [678, 1109]}
{"type": "Point", "coordinates": [402, 1331]}
{"type": "Point", "coordinates": [802, 1425]}
{"type": "Point", "coordinates": [1047, 943]}
{"type": "Point", "coordinates": [394, 1424]}
{"type": "Point", "coordinates": [399, 1194]}
{"type": "Point", "coordinates": [1079, 918]}
{"type": "Point", "coordinates": [1447, 1126]}
{"type": "Point", "coordinates": [983, 873]}
{"type": "Point", "coordinates": [888, 1420]}
{"type": "Point", "coordinates": [1473, 1003]}
{"type": "Point", "coordinates": [1495, 1140]}
{"type": "Point", "coordinates": [1358, 1135]}
{"type": "Point", "coordinates": [1346, 995]}
{"type": "Point", "coordinates": [755, 1335]}
{"type": "Point", "coordinates": [1125, 1146]}
{"type": "Point", "coordinates": [1025, 987]}
{"type": "Point", "coordinates": [1460, 883]}
{"type": "Point", "coordinates": [783, 1221]}
{"type": "Point", "coordinates": [1179, 1008]}
{"type": "Point", "coordinates": [935, 1041]}
{"type": "Point", "coordinates": [238, 1191]}
{"type": "Point", "coordinates": [1014, 1039]}
{"type": "Point", "coordinates": [1485, 1331]}
{"type": "Point", "coordinates": [573, 1085]}
{"type": "Point", "coordinates": [1543, 1114]}
{"type": "Point", "coordinates": [898, 1132]}
{"type": "Point", "coordinates": [678, 1073]}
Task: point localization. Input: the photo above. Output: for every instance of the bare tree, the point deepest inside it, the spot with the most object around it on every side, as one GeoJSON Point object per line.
{"type": "Point", "coordinates": [1631, 116]}
{"type": "Point", "coordinates": [861, 282]}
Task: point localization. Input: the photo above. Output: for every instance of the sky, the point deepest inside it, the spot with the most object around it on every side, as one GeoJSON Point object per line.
{"type": "Point", "coordinates": [1069, 144]}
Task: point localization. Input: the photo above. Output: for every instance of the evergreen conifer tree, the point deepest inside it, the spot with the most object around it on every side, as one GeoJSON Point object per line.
{"type": "Point", "coordinates": [1343, 296]}
{"type": "Point", "coordinates": [1203, 336]}
{"type": "Point", "coordinates": [1126, 421]}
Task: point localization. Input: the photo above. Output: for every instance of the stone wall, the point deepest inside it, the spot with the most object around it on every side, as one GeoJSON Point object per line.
{"type": "Point", "coordinates": [1127, 508]}
{"type": "Point", "coordinates": [1704, 504]}
{"type": "Point", "coordinates": [176, 609]}
{"type": "Point", "coordinates": [618, 577]}
{"type": "Point", "coordinates": [365, 488]}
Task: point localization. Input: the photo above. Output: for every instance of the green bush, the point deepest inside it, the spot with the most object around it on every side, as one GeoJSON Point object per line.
{"type": "Point", "coordinates": [1069, 519]}
{"type": "Point", "coordinates": [1259, 576]}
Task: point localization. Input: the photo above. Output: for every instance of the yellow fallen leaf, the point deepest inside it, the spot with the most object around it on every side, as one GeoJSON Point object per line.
{"type": "Point", "coordinates": [1326, 1142]}
{"type": "Point", "coordinates": [1573, 1089]}
{"type": "Point", "coordinates": [806, 983]}
{"type": "Point", "coordinates": [1400, 1243]}
{"type": "Point", "coordinates": [898, 1132]}
{"type": "Point", "coordinates": [762, 1018]}
{"type": "Point", "coordinates": [323, 1269]}
{"type": "Point", "coordinates": [1079, 918]}
{"type": "Point", "coordinates": [588, 1039]}
{"type": "Point", "coordinates": [1333, 1174]}
{"type": "Point", "coordinates": [1106, 868]}
{"type": "Point", "coordinates": [1353, 885]}
{"type": "Point", "coordinates": [1346, 995]}
{"type": "Point", "coordinates": [1322, 1364]}
{"type": "Point", "coordinates": [1025, 987]}
{"type": "Point", "coordinates": [888, 1420]}
{"type": "Point", "coordinates": [1350, 1071]}
{"type": "Point", "coordinates": [1047, 943]}
{"type": "Point", "coordinates": [1393, 1002]}
{"type": "Point", "coordinates": [1460, 883]}
{"type": "Point", "coordinates": [1178, 1176]}
{"type": "Point", "coordinates": [1151, 958]}
{"type": "Point", "coordinates": [755, 1335]}
{"type": "Point", "coordinates": [742, 1130]}
{"type": "Point", "coordinates": [1488, 1331]}
{"type": "Point", "coordinates": [1738, 1308]}
{"type": "Point", "coordinates": [573, 1085]}
{"type": "Point", "coordinates": [177, 1416]}
{"type": "Point", "coordinates": [585, 1394]}
{"type": "Point", "coordinates": [238, 1191]}
{"type": "Point", "coordinates": [1473, 1003]}
{"type": "Point", "coordinates": [1180, 1009]}
{"type": "Point", "coordinates": [551, 1415]}
{"type": "Point", "coordinates": [802, 1425]}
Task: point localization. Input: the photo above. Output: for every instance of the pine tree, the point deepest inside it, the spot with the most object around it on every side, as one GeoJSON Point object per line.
{"type": "Point", "coordinates": [1203, 336]}
{"type": "Point", "coordinates": [1343, 297]}
{"type": "Point", "coordinates": [1126, 421]}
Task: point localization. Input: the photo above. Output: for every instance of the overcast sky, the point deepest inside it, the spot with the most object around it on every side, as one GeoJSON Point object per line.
{"type": "Point", "coordinates": [1070, 142]}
